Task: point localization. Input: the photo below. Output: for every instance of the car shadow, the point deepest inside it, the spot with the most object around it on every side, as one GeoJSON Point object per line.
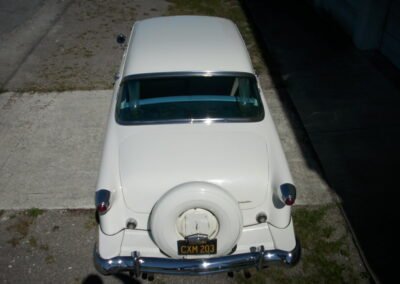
{"type": "Point", "coordinates": [347, 101]}
{"type": "Point", "coordinates": [123, 277]}
{"type": "Point", "coordinates": [92, 279]}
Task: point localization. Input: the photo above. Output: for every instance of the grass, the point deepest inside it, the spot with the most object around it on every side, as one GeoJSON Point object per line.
{"type": "Point", "coordinates": [14, 241]}
{"type": "Point", "coordinates": [33, 242]}
{"type": "Point", "coordinates": [49, 259]}
{"type": "Point", "coordinates": [91, 223]}
{"type": "Point", "coordinates": [44, 247]}
{"type": "Point", "coordinates": [20, 227]}
{"type": "Point", "coordinates": [34, 212]}
{"type": "Point", "coordinates": [328, 255]}
{"type": "Point", "coordinates": [321, 245]}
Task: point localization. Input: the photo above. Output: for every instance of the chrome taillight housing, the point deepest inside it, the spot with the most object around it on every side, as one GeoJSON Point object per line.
{"type": "Point", "coordinates": [102, 201]}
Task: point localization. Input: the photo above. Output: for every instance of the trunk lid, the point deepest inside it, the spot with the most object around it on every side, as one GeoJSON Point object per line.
{"type": "Point", "coordinates": [153, 161]}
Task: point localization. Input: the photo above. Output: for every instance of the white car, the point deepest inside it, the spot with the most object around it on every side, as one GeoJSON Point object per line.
{"type": "Point", "coordinates": [193, 179]}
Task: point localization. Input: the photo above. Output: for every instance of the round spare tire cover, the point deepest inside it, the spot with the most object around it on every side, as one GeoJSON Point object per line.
{"type": "Point", "coordinates": [195, 195]}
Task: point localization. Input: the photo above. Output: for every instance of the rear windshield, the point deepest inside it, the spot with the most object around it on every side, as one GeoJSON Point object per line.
{"type": "Point", "coordinates": [188, 99]}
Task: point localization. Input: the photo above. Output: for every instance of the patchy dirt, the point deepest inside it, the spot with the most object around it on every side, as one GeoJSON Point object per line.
{"type": "Point", "coordinates": [55, 246]}
{"type": "Point", "coordinates": [80, 52]}
{"type": "Point", "coordinates": [52, 247]}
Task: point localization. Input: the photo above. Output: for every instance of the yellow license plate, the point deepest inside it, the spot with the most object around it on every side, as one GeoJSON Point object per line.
{"type": "Point", "coordinates": [208, 247]}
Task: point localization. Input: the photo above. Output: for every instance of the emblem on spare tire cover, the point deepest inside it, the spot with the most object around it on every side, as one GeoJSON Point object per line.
{"type": "Point", "coordinates": [196, 208]}
{"type": "Point", "coordinates": [196, 239]}
{"type": "Point", "coordinates": [197, 221]}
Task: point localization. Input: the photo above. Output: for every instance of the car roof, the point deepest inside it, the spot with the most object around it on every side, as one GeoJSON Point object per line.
{"type": "Point", "coordinates": [185, 44]}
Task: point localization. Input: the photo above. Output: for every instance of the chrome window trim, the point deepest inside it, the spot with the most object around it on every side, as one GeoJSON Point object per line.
{"type": "Point", "coordinates": [187, 121]}
{"type": "Point", "coordinates": [184, 74]}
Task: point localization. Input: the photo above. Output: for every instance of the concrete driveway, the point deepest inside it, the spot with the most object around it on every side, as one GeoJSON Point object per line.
{"type": "Point", "coordinates": [50, 148]}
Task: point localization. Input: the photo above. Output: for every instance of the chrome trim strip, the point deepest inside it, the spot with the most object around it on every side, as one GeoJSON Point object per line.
{"type": "Point", "coordinates": [184, 74]}
{"type": "Point", "coordinates": [137, 265]}
{"type": "Point", "coordinates": [189, 121]}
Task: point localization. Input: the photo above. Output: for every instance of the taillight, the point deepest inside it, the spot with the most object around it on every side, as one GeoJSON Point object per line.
{"type": "Point", "coordinates": [289, 200]}
{"type": "Point", "coordinates": [102, 201]}
{"type": "Point", "coordinates": [288, 193]}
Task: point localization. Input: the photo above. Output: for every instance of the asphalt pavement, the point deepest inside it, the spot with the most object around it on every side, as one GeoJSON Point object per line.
{"type": "Point", "coordinates": [13, 13]}
{"type": "Point", "coordinates": [349, 108]}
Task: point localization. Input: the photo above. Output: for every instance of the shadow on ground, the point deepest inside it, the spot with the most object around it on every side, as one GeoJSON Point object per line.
{"type": "Point", "coordinates": [348, 103]}
{"type": "Point", "coordinates": [95, 279]}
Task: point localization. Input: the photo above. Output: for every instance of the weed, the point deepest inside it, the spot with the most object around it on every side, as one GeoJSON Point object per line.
{"type": "Point", "coordinates": [22, 225]}
{"type": "Point", "coordinates": [323, 244]}
{"type": "Point", "coordinates": [44, 247]}
{"type": "Point", "coordinates": [14, 241]}
{"type": "Point", "coordinates": [34, 212]}
{"type": "Point", "coordinates": [33, 242]}
{"type": "Point", "coordinates": [90, 224]}
{"type": "Point", "coordinates": [49, 259]}
{"type": "Point", "coordinates": [325, 254]}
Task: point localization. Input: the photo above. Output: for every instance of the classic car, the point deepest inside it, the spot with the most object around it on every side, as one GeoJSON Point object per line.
{"type": "Point", "coordinates": [193, 179]}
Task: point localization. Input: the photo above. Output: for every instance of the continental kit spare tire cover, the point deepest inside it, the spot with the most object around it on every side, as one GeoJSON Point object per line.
{"type": "Point", "coordinates": [196, 208]}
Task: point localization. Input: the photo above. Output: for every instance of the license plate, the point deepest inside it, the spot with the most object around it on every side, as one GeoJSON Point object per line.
{"type": "Point", "coordinates": [208, 247]}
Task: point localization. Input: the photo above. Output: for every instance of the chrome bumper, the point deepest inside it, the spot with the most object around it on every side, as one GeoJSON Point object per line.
{"type": "Point", "coordinates": [258, 258]}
